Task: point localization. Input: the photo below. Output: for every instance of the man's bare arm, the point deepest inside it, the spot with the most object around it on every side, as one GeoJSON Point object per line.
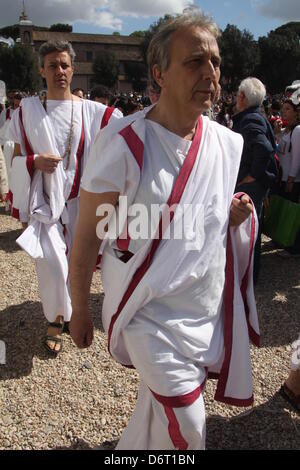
{"type": "Point", "coordinates": [83, 259]}
{"type": "Point", "coordinates": [17, 150]}
{"type": "Point", "coordinates": [45, 162]}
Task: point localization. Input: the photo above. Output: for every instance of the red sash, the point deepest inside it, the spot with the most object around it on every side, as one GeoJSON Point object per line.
{"type": "Point", "coordinates": [106, 116]}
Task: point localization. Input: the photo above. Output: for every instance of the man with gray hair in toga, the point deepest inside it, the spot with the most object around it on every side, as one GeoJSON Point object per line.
{"type": "Point", "coordinates": [175, 310]}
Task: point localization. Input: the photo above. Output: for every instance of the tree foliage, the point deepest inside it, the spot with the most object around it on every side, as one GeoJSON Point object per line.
{"type": "Point", "coordinates": [10, 31]}
{"type": "Point", "coordinates": [61, 27]}
{"type": "Point", "coordinates": [138, 34]}
{"type": "Point", "coordinates": [292, 26]}
{"type": "Point", "coordinates": [280, 59]}
{"type": "Point", "coordinates": [19, 68]}
{"type": "Point", "coordinates": [150, 33]}
{"type": "Point", "coordinates": [240, 55]}
{"type": "Point", "coordinates": [106, 69]}
{"type": "Point", "coordinates": [137, 75]}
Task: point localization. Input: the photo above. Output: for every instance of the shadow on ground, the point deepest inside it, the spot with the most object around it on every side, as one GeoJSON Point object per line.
{"type": "Point", "coordinates": [8, 241]}
{"type": "Point", "coordinates": [80, 444]}
{"type": "Point", "coordinates": [262, 427]}
{"type": "Point", "coordinates": [23, 328]}
{"type": "Point", "coordinates": [278, 297]}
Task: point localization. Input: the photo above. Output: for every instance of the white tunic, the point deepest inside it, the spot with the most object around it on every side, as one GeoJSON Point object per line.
{"type": "Point", "coordinates": [290, 159]}
{"type": "Point", "coordinates": [50, 202]}
{"type": "Point", "coordinates": [171, 325]}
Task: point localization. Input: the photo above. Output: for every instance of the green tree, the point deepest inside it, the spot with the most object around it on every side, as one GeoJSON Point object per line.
{"type": "Point", "coordinates": [137, 74]}
{"type": "Point", "coordinates": [61, 27]}
{"type": "Point", "coordinates": [240, 55]}
{"type": "Point", "coordinates": [138, 34]}
{"type": "Point", "coordinates": [280, 59]}
{"type": "Point", "coordinates": [10, 31]}
{"type": "Point", "coordinates": [19, 68]}
{"type": "Point", "coordinates": [106, 69]}
{"type": "Point", "coordinates": [150, 33]}
{"type": "Point", "coordinates": [116, 33]}
{"type": "Point", "coordinates": [292, 25]}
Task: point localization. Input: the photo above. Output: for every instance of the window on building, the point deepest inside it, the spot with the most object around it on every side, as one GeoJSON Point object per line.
{"type": "Point", "coordinates": [89, 56]}
{"type": "Point", "coordinates": [27, 37]}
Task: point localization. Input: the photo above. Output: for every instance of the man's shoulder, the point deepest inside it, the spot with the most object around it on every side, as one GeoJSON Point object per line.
{"type": "Point", "coordinates": [223, 130]}
{"type": "Point", "coordinates": [98, 109]}
{"type": "Point", "coordinates": [229, 139]}
{"type": "Point", "coordinates": [30, 101]}
{"type": "Point", "coordinates": [94, 105]}
{"type": "Point", "coordinates": [254, 117]}
{"type": "Point", "coordinates": [109, 134]}
{"type": "Point", "coordinates": [296, 131]}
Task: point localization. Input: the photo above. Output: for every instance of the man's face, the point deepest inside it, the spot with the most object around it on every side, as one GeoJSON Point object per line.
{"type": "Point", "coordinates": [79, 93]}
{"type": "Point", "coordinates": [10, 97]}
{"type": "Point", "coordinates": [57, 70]}
{"type": "Point", "coordinates": [16, 103]}
{"type": "Point", "coordinates": [289, 114]}
{"type": "Point", "coordinates": [192, 78]}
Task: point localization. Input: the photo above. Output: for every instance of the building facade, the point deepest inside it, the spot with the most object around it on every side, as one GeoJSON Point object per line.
{"type": "Point", "coordinates": [87, 47]}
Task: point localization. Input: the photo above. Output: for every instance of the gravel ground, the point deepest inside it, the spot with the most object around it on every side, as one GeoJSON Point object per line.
{"type": "Point", "coordinates": [83, 399]}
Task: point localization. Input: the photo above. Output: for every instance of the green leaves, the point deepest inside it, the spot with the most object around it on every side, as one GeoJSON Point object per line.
{"type": "Point", "coordinates": [106, 69]}
{"type": "Point", "coordinates": [280, 58]}
{"type": "Point", "coordinates": [274, 59]}
{"type": "Point", "coordinates": [19, 68]}
{"type": "Point", "coordinates": [240, 55]}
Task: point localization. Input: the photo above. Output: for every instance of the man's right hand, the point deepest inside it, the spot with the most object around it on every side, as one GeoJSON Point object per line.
{"type": "Point", "coordinates": [46, 162]}
{"type": "Point", "coordinates": [82, 329]}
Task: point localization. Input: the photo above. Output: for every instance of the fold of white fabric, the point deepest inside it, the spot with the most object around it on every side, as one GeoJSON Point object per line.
{"type": "Point", "coordinates": [176, 265]}
{"type": "Point", "coordinates": [43, 196]}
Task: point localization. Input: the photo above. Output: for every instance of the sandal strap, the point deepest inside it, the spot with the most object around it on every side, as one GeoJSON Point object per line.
{"type": "Point", "coordinates": [56, 339]}
{"type": "Point", "coordinates": [291, 395]}
{"type": "Point", "coordinates": [56, 325]}
{"type": "Point", "coordinates": [288, 395]}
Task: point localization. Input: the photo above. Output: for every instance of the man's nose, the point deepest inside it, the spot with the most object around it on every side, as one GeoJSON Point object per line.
{"type": "Point", "coordinates": [59, 69]}
{"type": "Point", "coordinates": [209, 70]}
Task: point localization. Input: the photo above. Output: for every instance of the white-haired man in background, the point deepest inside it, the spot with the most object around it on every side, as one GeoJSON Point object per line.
{"type": "Point", "coordinates": [258, 169]}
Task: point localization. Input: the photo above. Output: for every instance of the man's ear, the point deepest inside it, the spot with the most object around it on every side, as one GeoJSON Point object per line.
{"type": "Point", "coordinates": [42, 72]}
{"type": "Point", "coordinates": [158, 75]}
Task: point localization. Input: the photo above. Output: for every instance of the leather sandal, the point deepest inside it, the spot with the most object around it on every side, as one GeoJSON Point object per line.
{"type": "Point", "coordinates": [55, 339]}
{"type": "Point", "coordinates": [288, 395]}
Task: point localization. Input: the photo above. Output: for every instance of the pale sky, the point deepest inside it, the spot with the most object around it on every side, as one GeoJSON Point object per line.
{"type": "Point", "coordinates": [126, 16]}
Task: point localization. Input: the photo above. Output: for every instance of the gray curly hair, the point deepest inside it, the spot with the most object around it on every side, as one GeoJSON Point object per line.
{"type": "Point", "coordinates": [254, 91]}
{"type": "Point", "coordinates": [159, 48]}
{"type": "Point", "coordinates": [55, 46]}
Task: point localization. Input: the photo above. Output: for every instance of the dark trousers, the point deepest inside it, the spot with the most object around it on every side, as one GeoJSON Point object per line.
{"type": "Point", "coordinates": [258, 193]}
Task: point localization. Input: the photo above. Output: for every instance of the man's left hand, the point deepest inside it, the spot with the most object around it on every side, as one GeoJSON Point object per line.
{"type": "Point", "coordinates": [240, 210]}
